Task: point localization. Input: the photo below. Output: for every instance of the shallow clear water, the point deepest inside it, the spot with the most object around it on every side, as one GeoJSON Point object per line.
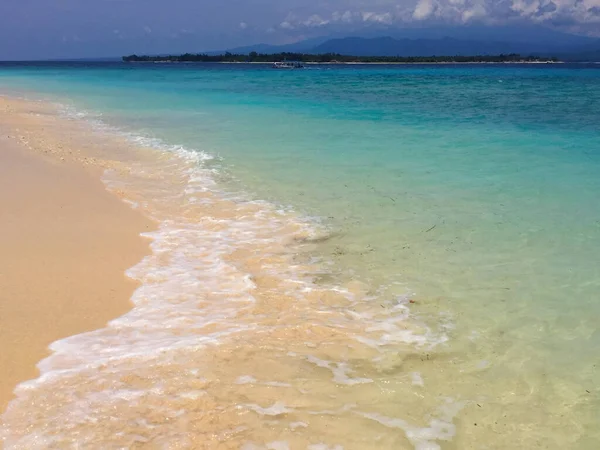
{"type": "Point", "coordinates": [471, 190]}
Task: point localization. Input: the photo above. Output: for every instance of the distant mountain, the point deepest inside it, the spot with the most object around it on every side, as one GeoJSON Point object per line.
{"type": "Point", "coordinates": [388, 46]}
{"type": "Point", "coordinates": [591, 55]}
{"type": "Point", "coordinates": [525, 34]}
{"type": "Point", "coordinates": [304, 46]}
{"type": "Point", "coordinates": [445, 41]}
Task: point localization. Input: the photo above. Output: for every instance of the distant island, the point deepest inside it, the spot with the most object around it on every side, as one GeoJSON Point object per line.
{"type": "Point", "coordinates": [332, 58]}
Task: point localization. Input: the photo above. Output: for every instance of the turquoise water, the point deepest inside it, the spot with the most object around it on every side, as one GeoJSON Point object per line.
{"type": "Point", "coordinates": [475, 189]}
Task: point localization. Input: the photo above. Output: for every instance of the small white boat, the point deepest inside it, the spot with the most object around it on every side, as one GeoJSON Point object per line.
{"type": "Point", "coordinates": [288, 65]}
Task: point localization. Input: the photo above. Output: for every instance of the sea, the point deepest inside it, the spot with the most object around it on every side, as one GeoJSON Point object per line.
{"type": "Point", "coordinates": [346, 257]}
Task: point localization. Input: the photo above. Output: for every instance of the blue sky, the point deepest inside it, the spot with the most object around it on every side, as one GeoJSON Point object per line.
{"type": "Point", "coordinates": [76, 28]}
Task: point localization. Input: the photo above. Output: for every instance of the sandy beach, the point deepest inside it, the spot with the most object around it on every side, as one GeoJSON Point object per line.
{"type": "Point", "coordinates": [65, 243]}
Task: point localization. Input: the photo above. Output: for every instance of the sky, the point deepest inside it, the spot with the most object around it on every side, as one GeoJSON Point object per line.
{"type": "Point", "coordinates": [34, 29]}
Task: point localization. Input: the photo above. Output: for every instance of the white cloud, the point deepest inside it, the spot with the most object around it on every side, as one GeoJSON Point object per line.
{"type": "Point", "coordinates": [344, 17]}
{"type": "Point", "coordinates": [385, 18]}
{"type": "Point", "coordinates": [582, 12]}
{"type": "Point", "coordinates": [315, 21]}
{"type": "Point", "coordinates": [243, 25]}
{"type": "Point", "coordinates": [524, 7]}
{"type": "Point", "coordinates": [391, 11]}
{"type": "Point", "coordinates": [475, 12]}
{"type": "Point", "coordinates": [356, 13]}
{"type": "Point", "coordinates": [424, 9]}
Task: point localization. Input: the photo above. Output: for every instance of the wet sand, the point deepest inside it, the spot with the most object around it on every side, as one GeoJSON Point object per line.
{"type": "Point", "coordinates": [65, 243]}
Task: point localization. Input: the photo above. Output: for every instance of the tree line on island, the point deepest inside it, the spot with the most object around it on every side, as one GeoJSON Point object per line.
{"type": "Point", "coordinates": [254, 57]}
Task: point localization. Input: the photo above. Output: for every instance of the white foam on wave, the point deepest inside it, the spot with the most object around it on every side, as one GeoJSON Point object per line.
{"type": "Point", "coordinates": [276, 409]}
{"type": "Point", "coordinates": [167, 300]}
{"type": "Point", "coordinates": [340, 371]}
{"type": "Point", "coordinates": [249, 379]}
{"type": "Point", "coordinates": [391, 329]}
{"type": "Point", "coordinates": [95, 120]}
{"type": "Point", "coordinates": [295, 425]}
{"type": "Point", "coordinates": [246, 379]}
{"type": "Point", "coordinates": [440, 426]}
{"type": "Point", "coordinates": [186, 283]}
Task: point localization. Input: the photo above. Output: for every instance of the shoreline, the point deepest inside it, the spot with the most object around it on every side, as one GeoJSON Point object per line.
{"type": "Point", "coordinates": [65, 242]}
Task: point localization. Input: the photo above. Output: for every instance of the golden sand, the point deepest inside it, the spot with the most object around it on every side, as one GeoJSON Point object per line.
{"type": "Point", "coordinates": [65, 243]}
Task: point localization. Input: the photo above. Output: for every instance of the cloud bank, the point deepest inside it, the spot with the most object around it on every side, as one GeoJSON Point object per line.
{"type": "Point", "coordinates": [579, 15]}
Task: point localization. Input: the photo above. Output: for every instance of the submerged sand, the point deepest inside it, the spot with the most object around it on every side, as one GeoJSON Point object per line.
{"type": "Point", "coordinates": [65, 243]}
